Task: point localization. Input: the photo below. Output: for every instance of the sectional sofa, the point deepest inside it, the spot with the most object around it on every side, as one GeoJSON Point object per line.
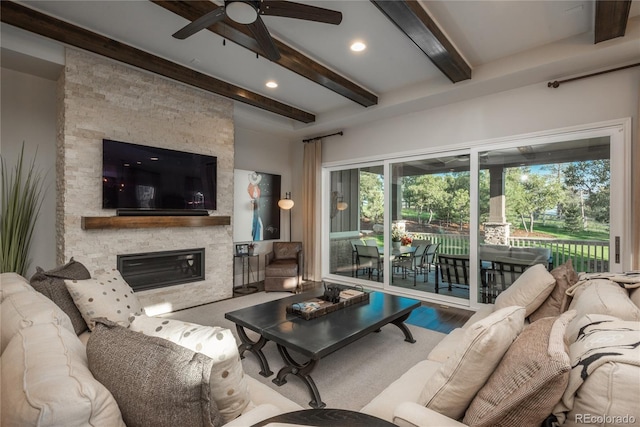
{"type": "Point", "coordinates": [53, 377]}
{"type": "Point", "coordinates": [554, 348]}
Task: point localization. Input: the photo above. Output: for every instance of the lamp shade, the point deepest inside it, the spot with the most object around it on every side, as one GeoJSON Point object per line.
{"type": "Point", "coordinates": [285, 204]}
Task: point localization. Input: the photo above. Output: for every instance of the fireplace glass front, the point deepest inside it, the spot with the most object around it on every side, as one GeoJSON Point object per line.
{"type": "Point", "coordinates": [159, 269]}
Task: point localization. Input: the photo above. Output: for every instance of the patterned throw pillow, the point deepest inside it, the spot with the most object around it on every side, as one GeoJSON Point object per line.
{"type": "Point", "coordinates": [529, 381]}
{"type": "Point", "coordinates": [556, 303]}
{"type": "Point", "coordinates": [106, 295]}
{"type": "Point", "coordinates": [156, 383]}
{"type": "Point", "coordinates": [229, 387]}
{"type": "Point", "coordinates": [51, 284]}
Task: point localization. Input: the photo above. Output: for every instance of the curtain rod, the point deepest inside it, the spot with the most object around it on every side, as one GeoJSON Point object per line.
{"type": "Point", "coordinates": [557, 83]}
{"type": "Point", "coordinates": [323, 136]}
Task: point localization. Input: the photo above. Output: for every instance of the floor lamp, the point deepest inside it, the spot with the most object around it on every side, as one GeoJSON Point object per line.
{"type": "Point", "coordinates": [286, 204]}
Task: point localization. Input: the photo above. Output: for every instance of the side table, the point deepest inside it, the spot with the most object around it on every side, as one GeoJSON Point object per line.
{"type": "Point", "coordinates": [327, 417]}
{"type": "Point", "coordinates": [245, 263]}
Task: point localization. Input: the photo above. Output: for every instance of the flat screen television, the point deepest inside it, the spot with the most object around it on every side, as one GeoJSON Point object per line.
{"type": "Point", "coordinates": [150, 178]}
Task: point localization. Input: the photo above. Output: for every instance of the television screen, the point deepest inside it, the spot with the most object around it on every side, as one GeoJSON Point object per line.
{"type": "Point", "coordinates": [141, 177]}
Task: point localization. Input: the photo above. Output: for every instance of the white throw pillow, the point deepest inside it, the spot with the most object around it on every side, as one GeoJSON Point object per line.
{"type": "Point", "coordinates": [25, 309]}
{"type": "Point", "coordinates": [453, 386]}
{"type": "Point", "coordinates": [529, 290]}
{"type": "Point", "coordinates": [229, 388]}
{"type": "Point", "coordinates": [46, 382]}
{"type": "Point", "coordinates": [107, 295]}
{"type": "Point", "coordinates": [11, 283]}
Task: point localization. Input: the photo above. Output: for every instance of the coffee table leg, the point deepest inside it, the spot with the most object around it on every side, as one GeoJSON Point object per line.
{"type": "Point", "coordinates": [302, 371]}
{"type": "Point", "coordinates": [254, 347]}
{"type": "Point", "coordinates": [399, 322]}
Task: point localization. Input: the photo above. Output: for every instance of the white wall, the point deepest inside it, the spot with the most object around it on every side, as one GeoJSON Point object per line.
{"type": "Point", "coordinates": [524, 110]}
{"type": "Point", "coordinates": [271, 154]}
{"type": "Point", "coordinates": [29, 114]}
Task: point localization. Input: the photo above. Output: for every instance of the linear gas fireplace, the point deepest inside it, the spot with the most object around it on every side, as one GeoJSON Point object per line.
{"type": "Point", "coordinates": [159, 269]}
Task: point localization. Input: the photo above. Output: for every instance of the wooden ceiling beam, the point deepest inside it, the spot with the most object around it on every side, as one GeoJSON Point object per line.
{"type": "Point", "coordinates": [611, 19]}
{"type": "Point", "coordinates": [290, 59]}
{"type": "Point", "coordinates": [30, 20]}
{"type": "Point", "coordinates": [411, 18]}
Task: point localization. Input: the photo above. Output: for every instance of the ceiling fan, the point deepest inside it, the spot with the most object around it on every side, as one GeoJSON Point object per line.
{"type": "Point", "coordinates": [248, 12]}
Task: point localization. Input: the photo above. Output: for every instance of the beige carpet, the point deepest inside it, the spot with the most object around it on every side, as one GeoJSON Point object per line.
{"type": "Point", "coordinates": [348, 378]}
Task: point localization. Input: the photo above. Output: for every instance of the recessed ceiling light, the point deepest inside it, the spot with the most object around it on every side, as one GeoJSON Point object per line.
{"type": "Point", "coordinates": [271, 84]}
{"type": "Point", "coordinates": [153, 158]}
{"type": "Point", "coordinates": [358, 46]}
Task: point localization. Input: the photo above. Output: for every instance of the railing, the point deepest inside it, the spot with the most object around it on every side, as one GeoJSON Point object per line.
{"type": "Point", "coordinates": [586, 255]}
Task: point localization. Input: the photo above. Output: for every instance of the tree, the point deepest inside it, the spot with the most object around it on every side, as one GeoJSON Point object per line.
{"type": "Point", "coordinates": [371, 196]}
{"type": "Point", "coordinates": [429, 194]}
{"type": "Point", "coordinates": [529, 194]}
{"type": "Point", "coordinates": [592, 179]}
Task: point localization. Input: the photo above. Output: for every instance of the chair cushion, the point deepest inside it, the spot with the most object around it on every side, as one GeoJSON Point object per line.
{"type": "Point", "coordinates": [107, 295]}
{"type": "Point", "coordinates": [556, 303]}
{"type": "Point", "coordinates": [529, 290]}
{"type": "Point", "coordinates": [452, 388]}
{"type": "Point", "coordinates": [286, 250]}
{"type": "Point", "coordinates": [46, 382]}
{"type": "Point", "coordinates": [228, 384]}
{"type": "Point", "coordinates": [51, 284]}
{"type": "Point", "coordinates": [282, 268]}
{"type": "Point", "coordinates": [155, 382]}
{"type": "Point", "coordinates": [529, 381]}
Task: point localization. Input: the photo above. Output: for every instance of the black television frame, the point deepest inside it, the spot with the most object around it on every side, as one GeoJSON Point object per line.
{"type": "Point", "coordinates": [128, 158]}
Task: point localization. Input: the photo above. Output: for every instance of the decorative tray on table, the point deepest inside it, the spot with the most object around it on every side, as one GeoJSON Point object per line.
{"type": "Point", "coordinates": [335, 298]}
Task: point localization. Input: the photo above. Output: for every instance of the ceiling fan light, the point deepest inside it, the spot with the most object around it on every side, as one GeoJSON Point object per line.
{"type": "Point", "coordinates": [241, 12]}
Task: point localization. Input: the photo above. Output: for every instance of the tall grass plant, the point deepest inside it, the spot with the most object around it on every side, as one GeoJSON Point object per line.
{"type": "Point", "coordinates": [22, 196]}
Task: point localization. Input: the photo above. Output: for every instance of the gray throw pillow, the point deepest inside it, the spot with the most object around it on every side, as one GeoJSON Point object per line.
{"type": "Point", "coordinates": [51, 284]}
{"type": "Point", "coordinates": [156, 383]}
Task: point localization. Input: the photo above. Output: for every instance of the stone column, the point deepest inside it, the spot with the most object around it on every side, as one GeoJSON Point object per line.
{"type": "Point", "coordinates": [496, 230]}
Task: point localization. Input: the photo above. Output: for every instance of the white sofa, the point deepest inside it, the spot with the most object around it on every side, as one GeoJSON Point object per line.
{"type": "Point", "coordinates": [467, 365]}
{"type": "Point", "coordinates": [46, 380]}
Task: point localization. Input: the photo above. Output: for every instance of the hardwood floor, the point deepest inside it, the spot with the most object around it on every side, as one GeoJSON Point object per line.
{"type": "Point", "coordinates": [437, 317]}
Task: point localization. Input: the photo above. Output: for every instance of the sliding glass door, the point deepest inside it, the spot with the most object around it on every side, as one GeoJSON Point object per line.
{"type": "Point", "coordinates": [430, 212]}
{"type": "Point", "coordinates": [461, 226]}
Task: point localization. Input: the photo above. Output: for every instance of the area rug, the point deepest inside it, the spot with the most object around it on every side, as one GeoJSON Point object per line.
{"type": "Point", "coordinates": [348, 378]}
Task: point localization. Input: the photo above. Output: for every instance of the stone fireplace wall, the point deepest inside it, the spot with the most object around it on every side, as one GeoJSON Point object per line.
{"type": "Point", "coordinates": [100, 98]}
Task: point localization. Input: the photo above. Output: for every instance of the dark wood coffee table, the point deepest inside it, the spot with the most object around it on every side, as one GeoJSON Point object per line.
{"type": "Point", "coordinates": [326, 418]}
{"type": "Point", "coordinates": [315, 338]}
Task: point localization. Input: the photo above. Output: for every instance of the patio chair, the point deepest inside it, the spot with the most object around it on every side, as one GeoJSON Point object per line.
{"type": "Point", "coordinates": [429, 257]}
{"type": "Point", "coordinates": [411, 262]}
{"type": "Point", "coordinates": [369, 258]}
{"type": "Point", "coordinates": [454, 270]}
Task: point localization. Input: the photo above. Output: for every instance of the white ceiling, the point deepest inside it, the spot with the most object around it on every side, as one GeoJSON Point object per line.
{"type": "Point", "coordinates": [516, 41]}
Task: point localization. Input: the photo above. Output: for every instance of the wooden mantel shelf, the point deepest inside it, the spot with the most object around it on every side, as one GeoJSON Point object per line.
{"type": "Point", "coordinates": [114, 222]}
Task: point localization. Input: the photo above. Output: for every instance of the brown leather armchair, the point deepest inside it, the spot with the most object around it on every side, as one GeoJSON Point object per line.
{"type": "Point", "coordinates": [284, 265]}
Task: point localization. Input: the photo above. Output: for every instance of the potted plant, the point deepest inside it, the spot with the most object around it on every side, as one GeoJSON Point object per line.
{"type": "Point", "coordinates": [21, 198]}
{"type": "Point", "coordinates": [396, 236]}
{"type": "Point", "coordinates": [252, 247]}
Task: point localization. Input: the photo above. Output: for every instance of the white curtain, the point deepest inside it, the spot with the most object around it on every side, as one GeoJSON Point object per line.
{"type": "Point", "coordinates": [635, 187]}
{"type": "Point", "coordinates": [311, 215]}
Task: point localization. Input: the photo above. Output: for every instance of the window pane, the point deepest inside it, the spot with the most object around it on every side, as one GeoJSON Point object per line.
{"type": "Point", "coordinates": [430, 207]}
{"type": "Point", "coordinates": [542, 204]}
{"type": "Point", "coordinates": [356, 217]}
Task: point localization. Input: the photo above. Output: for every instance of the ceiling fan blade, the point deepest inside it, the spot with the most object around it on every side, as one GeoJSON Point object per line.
{"type": "Point", "coordinates": [262, 36]}
{"type": "Point", "coordinates": [201, 23]}
{"type": "Point", "coordinates": [290, 9]}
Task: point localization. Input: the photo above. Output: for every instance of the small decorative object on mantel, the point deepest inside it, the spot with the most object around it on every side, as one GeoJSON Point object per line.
{"type": "Point", "coordinates": [252, 247]}
{"type": "Point", "coordinates": [335, 297]}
